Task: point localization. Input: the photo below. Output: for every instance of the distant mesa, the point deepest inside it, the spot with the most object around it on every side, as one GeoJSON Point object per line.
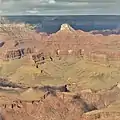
{"type": "Point", "coordinates": [66, 27]}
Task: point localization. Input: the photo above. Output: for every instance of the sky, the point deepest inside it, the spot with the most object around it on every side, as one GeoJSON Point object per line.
{"type": "Point", "coordinates": [59, 7]}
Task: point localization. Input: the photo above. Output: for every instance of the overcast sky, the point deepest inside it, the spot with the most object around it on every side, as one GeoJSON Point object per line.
{"type": "Point", "coordinates": [59, 7]}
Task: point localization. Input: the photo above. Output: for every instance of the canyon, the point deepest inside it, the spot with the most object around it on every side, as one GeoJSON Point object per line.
{"type": "Point", "coordinates": [67, 75]}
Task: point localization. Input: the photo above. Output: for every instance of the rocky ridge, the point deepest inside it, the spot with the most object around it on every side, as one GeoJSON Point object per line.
{"type": "Point", "coordinates": [66, 41]}
{"type": "Point", "coordinates": [61, 106]}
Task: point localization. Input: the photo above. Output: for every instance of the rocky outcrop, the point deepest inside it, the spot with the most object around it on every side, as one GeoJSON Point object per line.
{"type": "Point", "coordinates": [66, 27]}
{"type": "Point", "coordinates": [17, 53]}
{"type": "Point", "coordinates": [87, 105]}
{"type": "Point", "coordinates": [54, 106]}
{"type": "Point", "coordinates": [38, 57]}
{"type": "Point", "coordinates": [99, 115]}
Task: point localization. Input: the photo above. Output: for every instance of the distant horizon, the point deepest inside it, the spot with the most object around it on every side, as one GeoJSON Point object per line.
{"type": "Point", "coordinates": [59, 15]}
{"type": "Point", "coordinates": [51, 23]}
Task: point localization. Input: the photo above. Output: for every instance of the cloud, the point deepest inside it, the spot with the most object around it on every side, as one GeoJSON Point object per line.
{"type": "Point", "coordinates": [59, 7]}
{"type": "Point", "coordinates": [51, 1]}
{"type": "Point", "coordinates": [32, 11]}
{"type": "Point", "coordinates": [1, 11]}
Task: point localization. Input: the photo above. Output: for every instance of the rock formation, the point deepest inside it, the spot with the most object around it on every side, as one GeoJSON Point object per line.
{"type": "Point", "coordinates": [68, 42]}
{"type": "Point", "coordinates": [85, 106]}
{"type": "Point", "coordinates": [66, 27]}
{"type": "Point", "coordinates": [57, 101]}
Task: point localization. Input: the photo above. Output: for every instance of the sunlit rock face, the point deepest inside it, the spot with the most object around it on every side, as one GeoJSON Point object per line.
{"type": "Point", "coordinates": [66, 27]}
